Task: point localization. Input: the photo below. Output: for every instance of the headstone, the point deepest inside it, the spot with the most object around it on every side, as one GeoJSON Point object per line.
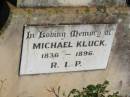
{"type": "Point", "coordinates": [63, 48]}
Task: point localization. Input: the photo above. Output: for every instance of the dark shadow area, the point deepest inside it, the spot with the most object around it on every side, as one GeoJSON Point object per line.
{"type": "Point", "coordinates": [128, 2]}
{"type": "Point", "coordinates": [4, 13]}
{"type": "Point", "coordinates": [14, 2]}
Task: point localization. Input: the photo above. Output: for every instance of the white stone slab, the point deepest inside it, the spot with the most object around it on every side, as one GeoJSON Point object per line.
{"type": "Point", "coordinates": [64, 48]}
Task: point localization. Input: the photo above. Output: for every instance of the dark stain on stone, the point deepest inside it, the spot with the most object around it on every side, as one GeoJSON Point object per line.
{"type": "Point", "coordinates": [120, 84]}
{"type": "Point", "coordinates": [98, 18]}
{"type": "Point", "coordinates": [122, 46]}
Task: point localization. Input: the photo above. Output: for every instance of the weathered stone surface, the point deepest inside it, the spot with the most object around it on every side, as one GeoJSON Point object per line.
{"type": "Point", "coordinates": [56, 3]}
{"type": "Point", "coordinates": [117, 72]}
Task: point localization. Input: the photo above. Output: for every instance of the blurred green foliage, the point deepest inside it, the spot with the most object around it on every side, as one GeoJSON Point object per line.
{"type": "Point", "coordinates": [99, 90]}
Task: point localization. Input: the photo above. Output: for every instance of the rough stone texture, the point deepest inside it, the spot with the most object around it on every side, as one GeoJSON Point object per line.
{"type": "Point", "coordinates": [56, 3]}
{"type": "Point", "coordinates": [117, 72]}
